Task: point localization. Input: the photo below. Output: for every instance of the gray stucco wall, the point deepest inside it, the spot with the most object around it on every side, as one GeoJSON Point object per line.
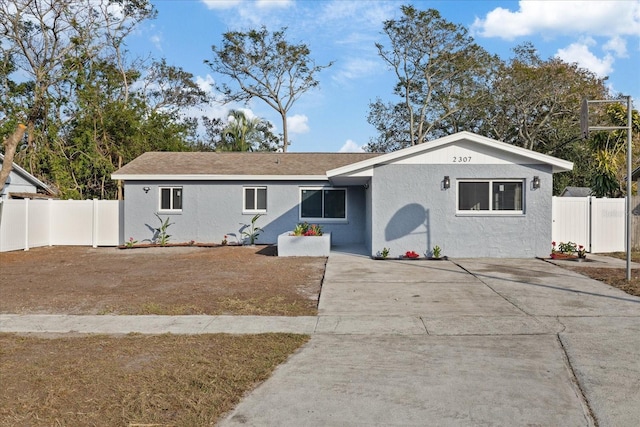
{"type": "Point", "coordinates": [17, 184]}
{"type": "Point", "coordinates": [411, 211]}
{"type": "Point", "coordinates": [211, 210]}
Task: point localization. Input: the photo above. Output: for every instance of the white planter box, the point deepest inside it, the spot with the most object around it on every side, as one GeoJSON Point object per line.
{"type": "Point", "coordinates": [304, 245]}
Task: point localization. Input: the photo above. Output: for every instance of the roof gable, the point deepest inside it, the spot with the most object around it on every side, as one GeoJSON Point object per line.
{"type": "Point", "coordinates": [26, 176]}
{"type": "Point", "coordinates": [462, 147]}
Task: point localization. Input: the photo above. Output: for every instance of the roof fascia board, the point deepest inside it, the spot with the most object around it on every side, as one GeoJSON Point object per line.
{"type": "Point", "coordinates": [203, 177]}
{"type": "Point", "coordinates": [558, 165]}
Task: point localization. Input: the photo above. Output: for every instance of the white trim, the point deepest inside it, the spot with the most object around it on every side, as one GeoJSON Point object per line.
{"type": "Point", "coordinates": [255, 199]}
{"type": "Point", "coordinates": [322, 219]}
{"type": "Point", "coordinates": [359, 168]}
{"type": "Point", "coordinates": [205, 177]}
{"type": "Point", "coordinates": [170, 187]}
{"type": "Point", "coordinates": [490, 211]}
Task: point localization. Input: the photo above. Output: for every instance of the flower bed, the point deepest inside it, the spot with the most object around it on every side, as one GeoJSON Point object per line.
{"type": "Point", "coordinates": [568, 251]}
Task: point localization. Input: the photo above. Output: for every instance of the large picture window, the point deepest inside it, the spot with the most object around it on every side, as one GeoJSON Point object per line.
{"type": "Point", "coordinates": [495, 196]}
{"type": "Point", "coordinates": [255, 199]}
{"type": "Point", "coordinates": [323, 203]}
{"type": "Point", "coordinates": [170, 198]}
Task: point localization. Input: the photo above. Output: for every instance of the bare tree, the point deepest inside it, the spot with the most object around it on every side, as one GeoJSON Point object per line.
{"type": "Point", "coordinates": [264, 65]}
{"type": "Point", "coordinates": [440, 72]}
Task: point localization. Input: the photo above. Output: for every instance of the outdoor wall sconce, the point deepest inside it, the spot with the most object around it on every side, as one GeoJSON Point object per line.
{"type": "Point", "coordinates": [446, 182]}
{"type": "Point", "coordinates": [536, 181]}
{"type": "Point", "coordinates": [146, 189]}
{"type": "Point", "coordinates": [366, 186]}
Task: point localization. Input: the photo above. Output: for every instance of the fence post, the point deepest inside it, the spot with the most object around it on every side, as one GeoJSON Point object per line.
{"type": "Point", "coordinates": [26, 224]}
{"type": "Point", "coordinates": [94, 237]}
{"type": "Point", "coordinates": [50, 222]}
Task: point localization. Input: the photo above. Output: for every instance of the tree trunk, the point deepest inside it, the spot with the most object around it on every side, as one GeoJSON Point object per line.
{"type": "Point", "coordinates": [10, 145]}
{"type": "Point", "coordinates": [120, 192]}
{"type": "Point", "coordinates": [285, 133]}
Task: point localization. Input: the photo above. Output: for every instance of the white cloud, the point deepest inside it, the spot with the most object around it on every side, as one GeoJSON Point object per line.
{"type": "Point", "coordinates": [298, 123]}
{"type": "Point", "coordinates": [580, 54]}
{"type": "Point", "coordinates": [205, 84]}
{"type": "Point", "coordinates": [355, 69]}
{"type": "Point", "coordinates": [266, 4]}
{"type": "Point", "coordinates": [221, 4]}
{"type": "Point", "coordinates": [156, 39]}
{"type": "Point", "coordinates": [549, 18]}
{"type": "Point", "coordinates": [351, 147]}
{"type": "Point", "coordinates": [253, 13]}
{"type": "Point", "coordinates": [618, 46]}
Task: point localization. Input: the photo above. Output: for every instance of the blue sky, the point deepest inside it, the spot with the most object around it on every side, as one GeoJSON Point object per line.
{"type": "Point", "coordinates": [602, 36]}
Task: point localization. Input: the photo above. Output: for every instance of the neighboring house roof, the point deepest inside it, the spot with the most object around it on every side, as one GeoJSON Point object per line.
{"type": "Point", "coordinates": [576, 192]}
{"type": "Point", "coordinates": [235, 165]}
{"type": "Point", "coordinates": [15, 169]}
{"type": "Point", "coordinates": [438, 151]}
{"type": "Point", "coordinates": [636, 174]}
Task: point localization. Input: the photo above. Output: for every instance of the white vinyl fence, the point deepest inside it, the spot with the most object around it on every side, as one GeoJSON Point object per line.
{"type": "Point", "coordinates": [28, 224]}
{"type": "Point", "coordinates": [597, 224]}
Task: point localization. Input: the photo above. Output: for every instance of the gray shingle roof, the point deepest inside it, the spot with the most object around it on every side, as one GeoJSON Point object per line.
{"type": "Point", "coordinates": [576, 192]}
{"type": "Point", "coordinates": [234, 163]}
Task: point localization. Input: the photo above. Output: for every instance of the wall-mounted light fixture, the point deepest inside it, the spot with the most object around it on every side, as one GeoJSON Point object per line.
{"type": "Point", "coordinates": [366, 186]}
{"type": "Point", "coordinates": [446, 182]}
{"type": "Point", "coordinates": [536, 181]}
{"type": "Point", "coordinates": [146, 189]}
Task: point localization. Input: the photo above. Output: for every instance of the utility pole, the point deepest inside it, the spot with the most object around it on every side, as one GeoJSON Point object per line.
{"type": "Point", "coordinates": [585, 128]}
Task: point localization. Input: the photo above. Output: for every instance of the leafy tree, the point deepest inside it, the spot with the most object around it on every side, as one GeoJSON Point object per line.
{"type": "Point", "coordinates": [110, 127]}
{"type": "Point", "coordinates": [40, 36]}
{"type": "Point", "coordinates": [244, 134]}
{"type": "Point", "coordinates": [536, 105]}
{"type": "Point", "coordinates": [440, 73]}
{"type": "Point", "coordinates": [609, 151]}
{"type": "Point", "coordinates": [266, 66]}
{"type": "Point", "coordinates": [534, 101]}
{"type": "Point", "coordinates": [87, 109]}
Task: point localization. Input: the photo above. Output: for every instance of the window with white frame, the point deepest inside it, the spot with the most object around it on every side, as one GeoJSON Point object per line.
{"type": "Point", "coordinates": [171, 199]}
{"type": "Point", "coordinates": [254, 199]}
{"type": "Point", "coordinates": [493, 196]}
{"type": "Point", "coordinates": [323, 203]}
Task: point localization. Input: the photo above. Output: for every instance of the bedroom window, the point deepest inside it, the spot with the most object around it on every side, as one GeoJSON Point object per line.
{"type": "Point", "coordinates": [323, 203]}
{"type": "Point", "coordinates": [254, 199]}
{"type": "Point", "coordinates": [171, 199]}
{"type": "Point", "coordinates": [490, 196]}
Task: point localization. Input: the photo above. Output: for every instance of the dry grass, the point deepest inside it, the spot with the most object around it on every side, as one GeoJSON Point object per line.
{"type": "Point", "coordinates": [137, 380]}
{"type": "Point", "coordinates": [133, 380]}
{"type": "Point", "coordinates": [616, 277]}
{"type": "Point", "coordinates": [171, 281]}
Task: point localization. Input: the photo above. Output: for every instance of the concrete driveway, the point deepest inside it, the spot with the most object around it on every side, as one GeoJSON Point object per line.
{"type": "Point", "coordinates": [463, 343]}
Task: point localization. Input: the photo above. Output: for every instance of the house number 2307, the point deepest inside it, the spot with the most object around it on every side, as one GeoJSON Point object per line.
{"type": "Point", "coordinates": [461, 159]}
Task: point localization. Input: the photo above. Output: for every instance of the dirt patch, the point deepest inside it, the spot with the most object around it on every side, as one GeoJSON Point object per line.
{"type": "Point", "coordinates": [133, 380]}
{"type": "Point", "coordinates": [174, 280]}
{"type": "Point", "coordinates": [616, 277]}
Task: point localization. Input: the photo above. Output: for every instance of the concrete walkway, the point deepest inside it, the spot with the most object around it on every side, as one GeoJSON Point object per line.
{"type": "Point", "coordinates": [462, 342]}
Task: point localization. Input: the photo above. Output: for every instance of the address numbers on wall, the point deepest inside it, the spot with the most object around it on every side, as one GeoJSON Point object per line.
{"type": "Point", "coordinates": [461, 159]}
